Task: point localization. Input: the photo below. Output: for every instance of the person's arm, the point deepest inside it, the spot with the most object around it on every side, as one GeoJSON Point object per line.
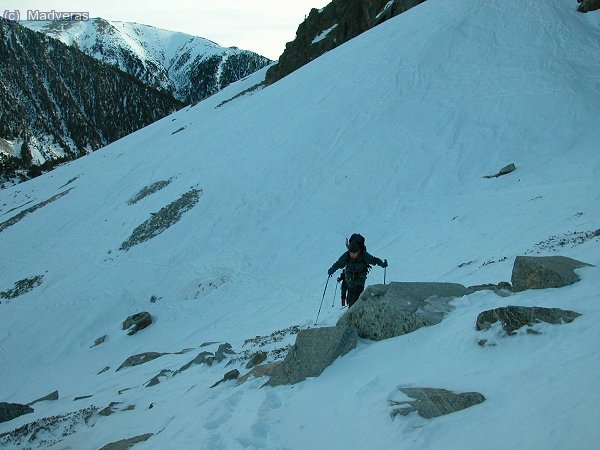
{"type": "Point", "coordinates": [339, 264]}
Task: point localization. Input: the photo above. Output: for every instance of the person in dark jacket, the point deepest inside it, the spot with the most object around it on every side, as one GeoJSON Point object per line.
{"type": "Point", "coordinates": [356, 264]}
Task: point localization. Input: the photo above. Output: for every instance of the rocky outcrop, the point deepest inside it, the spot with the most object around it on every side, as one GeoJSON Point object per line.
{"type": "Point", "coordinates": [315, 349]}
{"type": "Point", "coordinates": [542, 272]}
{"type": "Point", "coordinates": [10, 411]}
{"type": "Point", "coordinates": [394, 309]}
{"type": "Point", "coordinates": [137, 322]}
{"type": "Point", "coordinates": [515, 317]}
{"type": "Point", "coordinates": [141, 358]}
{"type": "Point", "coordinates": [504, 171]}
{"type": "Point", "coordinates": [126, 444]}
{"type": "Point", "coordinates": [50, 397]}
{"type": "Point", "coordinates": [588, 5]}
{"type": "Point", "coordinates": [231, 375]}
{"type": "Point", "coordinates": [430, 402]}
{"type": "Point", "coordinates": [327, 28]}
{"type": "Point", "coordinates": [262, 370]}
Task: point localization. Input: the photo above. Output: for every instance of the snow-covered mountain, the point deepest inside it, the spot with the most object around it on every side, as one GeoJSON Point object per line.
{"type": "Point", "coordinates": [57, 104]}
{"type": "Point", "coordinates": [190, 67]}
{"type": "Point", "coordinates": [222, 219]}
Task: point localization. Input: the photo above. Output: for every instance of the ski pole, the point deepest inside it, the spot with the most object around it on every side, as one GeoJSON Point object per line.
{"type": "Point", "coordinates": [384, 271]}
{"type": "Point", "coordinates": [334, 292]}
{"type": "Point", "coordinates": [325, 290]}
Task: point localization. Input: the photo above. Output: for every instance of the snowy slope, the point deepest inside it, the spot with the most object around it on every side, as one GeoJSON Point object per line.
{"type": "Point", "coordinates": [164, 59]}
{"type": "Point", "coordinates": [389, 135]}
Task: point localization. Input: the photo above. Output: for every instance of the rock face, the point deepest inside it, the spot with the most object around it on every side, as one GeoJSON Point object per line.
{"type": "Point", "coordinates": [588, 5]}
{"type": "Point", "coordinates": [531, 272]}
{"type": "Point", "coordinates": [430, 402]}
{"type": "Point", "coordinates": [386, 311]}
{"type": "Point", "coordinates": [330, 27]}
{"type": "Point", "coordinates": [515, 317]}
{"type": "Point", "coordinates": [10, 411]}
{"type": "Point", "coordinates": [314, 350]}
{"type": "Point", "coordinates": [504, 171]}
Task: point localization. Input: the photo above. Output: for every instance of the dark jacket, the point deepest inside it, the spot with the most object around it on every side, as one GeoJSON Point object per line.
{"type": "Point", "coordinates": [356, 271]}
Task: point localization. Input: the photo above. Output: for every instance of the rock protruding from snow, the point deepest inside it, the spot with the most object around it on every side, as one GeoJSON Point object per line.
{"type": "Point", "coordinates": [125, 444]}
{"type": "Point", "coordinates": [141, 358]}
{"type": "Point", "coordinates": [137, 322]}
{"type": "Point", "coordinates": [542, 272]}
{"type": "Point", "coordinates": [315, 349]}
{"type": "Point", "coordinates": [515, 317]}
{"type": "Point", "coordinates": [394, 309]}
{"type": "Point", "coordinates": [10, 411]}
{"type": "Point", "coordinates": [504, 171]}
{"type": "Point", "coordinates": [588, 5]}
{"type": "Point", "coordinates": [430, 402]}
{"type": "Point", "coordinates": [50, 397]}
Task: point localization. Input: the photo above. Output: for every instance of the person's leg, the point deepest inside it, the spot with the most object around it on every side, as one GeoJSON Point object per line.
{"type": "Point", "coordinates": [344, 291]}
{"type": "Point", "coordinates": [353, 294]}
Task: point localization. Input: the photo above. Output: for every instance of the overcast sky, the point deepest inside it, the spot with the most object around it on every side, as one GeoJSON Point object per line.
{"type": "Point", "coordinates": [263, 26]}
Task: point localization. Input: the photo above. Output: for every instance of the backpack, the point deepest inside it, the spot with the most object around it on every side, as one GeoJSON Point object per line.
{"type": "Point", "coordinates": [359, 239]}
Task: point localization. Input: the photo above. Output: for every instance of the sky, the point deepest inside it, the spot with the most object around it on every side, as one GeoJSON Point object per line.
{"type": "Point", "coordinates": [263, 26]}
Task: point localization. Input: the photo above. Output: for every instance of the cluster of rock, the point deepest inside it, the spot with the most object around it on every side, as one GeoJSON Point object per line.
{"type": "Point", "coordinates": [588, 5]}
{"type": "Point", "coordinates": [386, 311]}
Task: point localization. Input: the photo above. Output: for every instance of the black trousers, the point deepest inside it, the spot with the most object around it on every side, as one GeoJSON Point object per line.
{"type": "Point", "coordinates": [353, 294]}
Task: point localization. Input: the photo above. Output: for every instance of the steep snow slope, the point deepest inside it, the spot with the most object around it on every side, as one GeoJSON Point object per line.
{"type": "Point", "coordinates": [389, 135]}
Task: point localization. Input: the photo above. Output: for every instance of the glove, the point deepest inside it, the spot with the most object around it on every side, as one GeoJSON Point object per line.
{"type": "Point", "coordinates": [330, 272]}
{"type": "Point", "coordinates": [385, 264]}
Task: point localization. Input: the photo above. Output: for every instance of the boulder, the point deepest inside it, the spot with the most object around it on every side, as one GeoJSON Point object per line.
{"type": "Point", "coordinates": [141, 358]}
{"type": "Point", "coordinates": [315, 349]}
{"type": "Point", "coordinates": [256, 359]}
{"type": "Point", "coordinates": [137, 322]}
{"type": "Point", "coordinates": [231, 375]}
{"type": "Point", "coordinates": [515, 317]}
{"type": "Point", "coordinates": [588, 5]}
{"type": "Point", "coordinates": [259, 371]}
{"type": "Point", "coordinates": [542, 272]}
{"type": "Point", "coordinates": [10, 411]}
{"type": "Point", "coordinates": [504, 171]}
{"type": "Point", "coordinates": [394, 309]}
{"type": "Point", "coordinates": [430, 402]}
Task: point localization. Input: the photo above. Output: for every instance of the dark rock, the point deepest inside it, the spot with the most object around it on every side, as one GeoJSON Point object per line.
{"type": "Point", "coordinates": [315, 349]}
{"type": "Point", "coordinates": [588, 5]}
{"type": "Point", "coordinates": [515, 317]}
{"type": "Point", "coordinates": [394, 309]}
{"type": "Point", "coordinates": [202, 358]}
{"type": "Point", "coordinates": [110, 409]}
{"type": "Point", "coordinates": [597, 232]}
{"type": "Point", "coordinates": [126, 444]}
{"type": "Point", "coordinates": [430, 402]}
{"type": "Point", "coordinates": [51, 396]}
{"type": "Point", "coordinates": [99, 341]}
{"type": "Point", "coordinates": [224, 349]}
{"type": "Point", "coordinates": [165, 373]}
{"type": "Point", "coordinates": [504, 171]}
{"type": "Point", "coordinates": [328, 28]}
{"type": "Point", "coordinates": [137, 322]}
{"type": "Point", "coordinates": [82, 397]}
{"type": "Point", "coordinates": [10, 411]}
{"type": "Point", "coordinates": [103, 370]}
{"type": "Point", "coordinates": [139, 359]}
{"type": "Point", "coordinates": [542, 272]}
{"type": "Point", "coordinates": [256, 359]}
{"type": "Point", "coordinates": [259, 371]}
{"type": "Point", "coordinates": [231, 375]}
